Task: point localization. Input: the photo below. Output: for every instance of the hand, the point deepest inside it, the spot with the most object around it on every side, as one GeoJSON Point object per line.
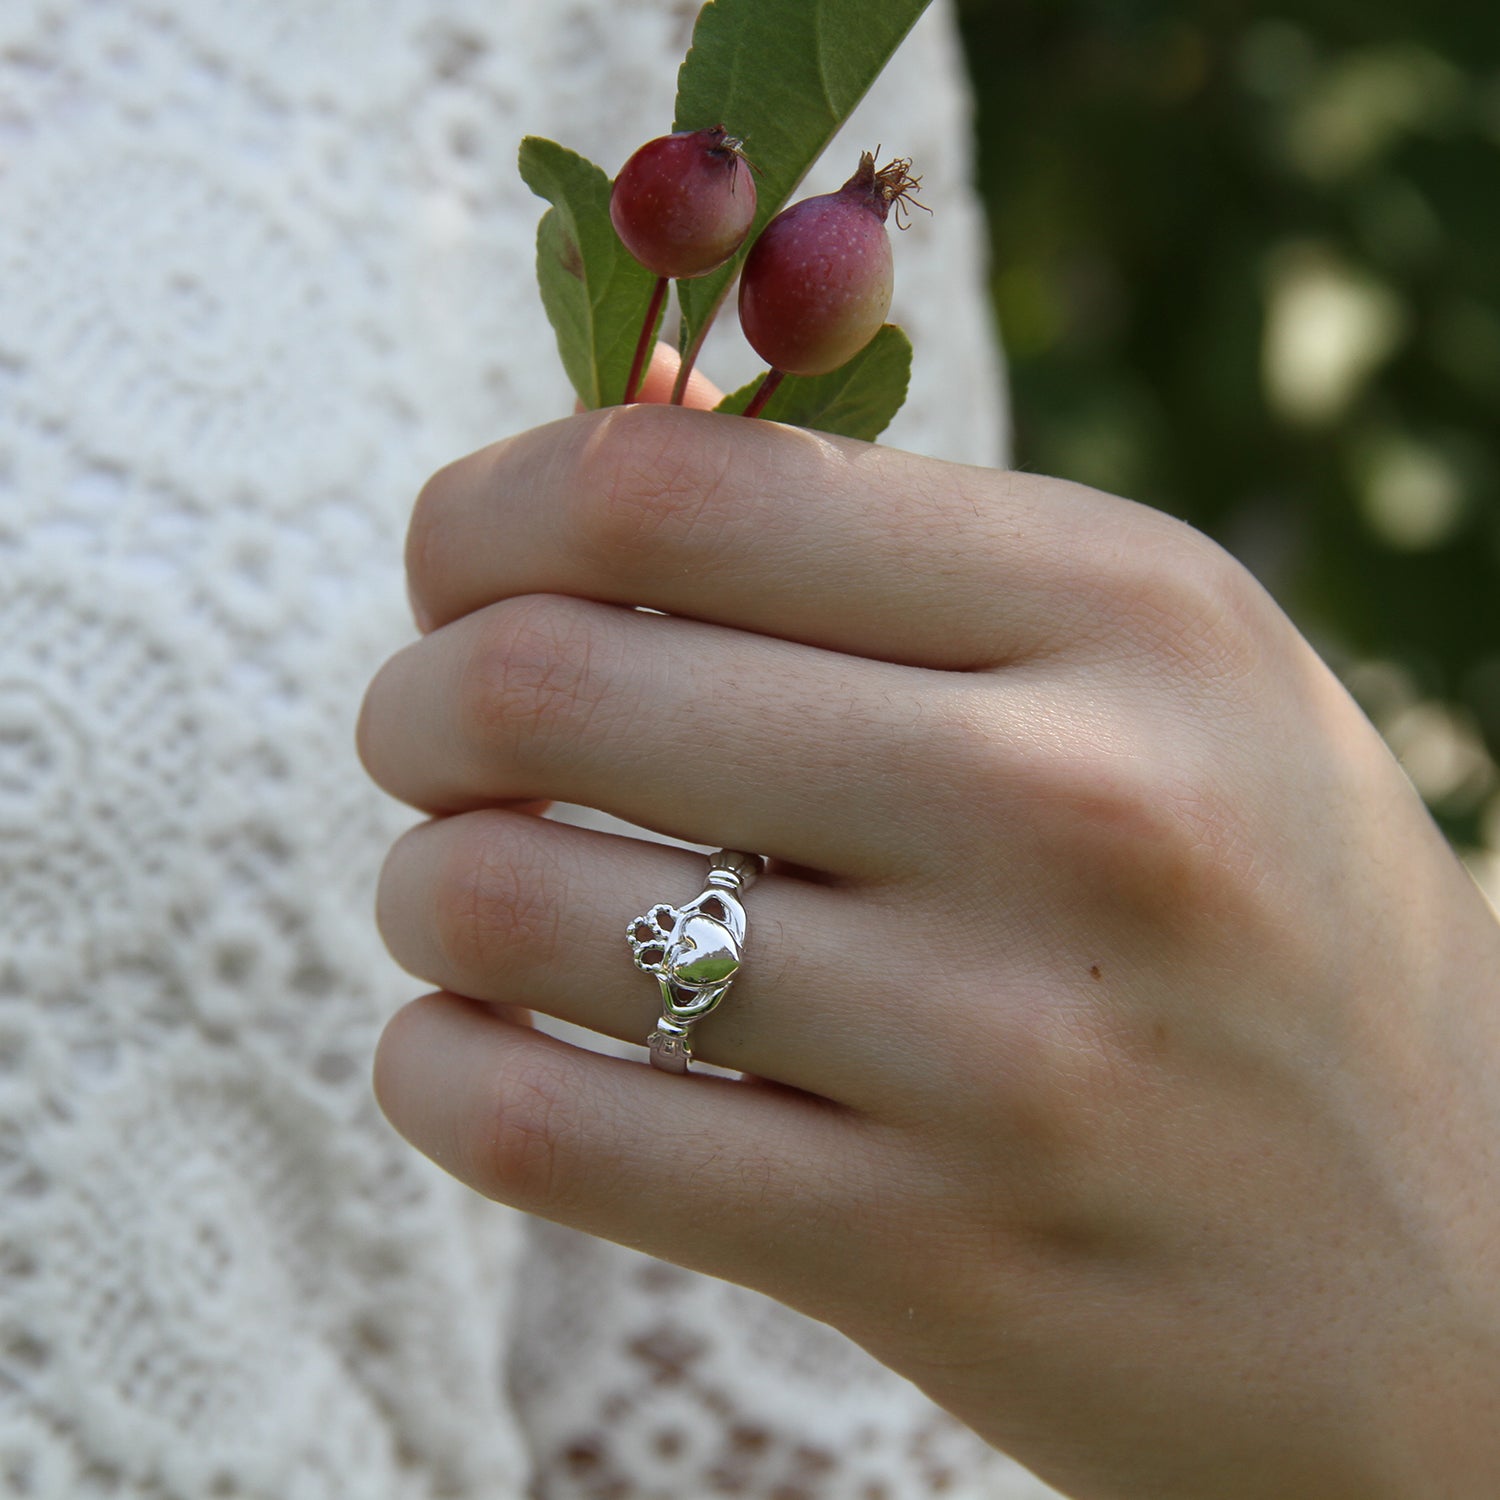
{"type": "Point", "coordinates": [1123, 1038]}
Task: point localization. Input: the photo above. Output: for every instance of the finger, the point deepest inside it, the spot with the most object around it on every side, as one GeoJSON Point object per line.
{"type": "Point", "coordinates": [700, 392]}
{"type": "Point", "coordinates": [524, 912]}
{"type": "Point", "coordinates": [741, 1180]}
{"type": "Point", "coordinates": [840, 544]}
{"type": "Point", "coordinates": [661, 375]}
{"type": "Point", "coordinates": [707, 734]}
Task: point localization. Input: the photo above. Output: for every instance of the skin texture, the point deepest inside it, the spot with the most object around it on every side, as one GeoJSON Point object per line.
{"type": "Point", "coordinates": [1124, 1037]}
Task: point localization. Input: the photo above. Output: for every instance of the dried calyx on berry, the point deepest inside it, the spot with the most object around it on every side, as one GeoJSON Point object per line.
{"type": "Point", "coordinates": [889, 187]}
{"type": "Point", "coordinates": [684, 203]}
{"type": "Point", "coordinates": [816, 287]}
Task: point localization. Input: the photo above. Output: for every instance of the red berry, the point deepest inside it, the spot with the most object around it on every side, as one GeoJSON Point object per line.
{"type": "Point", "coordinates": [817, 284]}
{"type": "Point", "coordinates": [682, 204]}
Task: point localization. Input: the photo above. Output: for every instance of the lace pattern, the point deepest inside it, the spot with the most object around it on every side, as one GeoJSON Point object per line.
{"type": "Point", "coordinates": [262, 269]}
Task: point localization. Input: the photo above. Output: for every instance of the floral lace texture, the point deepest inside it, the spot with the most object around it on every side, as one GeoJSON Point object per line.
{"type": "Point", "coordinates": [263, 267]}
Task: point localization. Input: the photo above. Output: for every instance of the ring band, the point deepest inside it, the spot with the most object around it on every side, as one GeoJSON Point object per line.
{"type": "Point", "coordinates": [694, 952]}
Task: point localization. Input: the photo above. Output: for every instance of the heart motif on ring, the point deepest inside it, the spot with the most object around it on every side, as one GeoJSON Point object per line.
{"type": "Point", "coordinates": [693, 946]}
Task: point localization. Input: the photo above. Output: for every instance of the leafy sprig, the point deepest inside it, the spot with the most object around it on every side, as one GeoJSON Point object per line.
{"type": "Point", "coordinates": [783, 75]}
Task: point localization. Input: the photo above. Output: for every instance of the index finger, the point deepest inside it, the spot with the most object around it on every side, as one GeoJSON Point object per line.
{"type": "Point", "coordinates": [773, 529]}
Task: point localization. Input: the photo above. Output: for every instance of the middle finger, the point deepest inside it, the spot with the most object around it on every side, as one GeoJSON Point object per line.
{"type": "Point", "coordinates": [704, 733]}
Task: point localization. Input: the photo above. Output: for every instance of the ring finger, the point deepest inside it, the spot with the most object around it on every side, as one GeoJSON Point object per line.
{"type": "Point", "coordinates": [509, 908]}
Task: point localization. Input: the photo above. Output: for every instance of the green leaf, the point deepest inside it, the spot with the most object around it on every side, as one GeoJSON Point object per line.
{"type": "Point", "coordinates": [595, 292]}
{"type": "Point", "coordinates": [783, 75]}
{"type": "Point", "coordinates": [857, 400]}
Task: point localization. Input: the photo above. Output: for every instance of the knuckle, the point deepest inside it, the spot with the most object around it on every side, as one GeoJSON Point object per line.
{"type": "Point", "coordinates": [1059, 1079]}
{"type": "Point", "coordinates": [529, 674]}
{"type": "Point", "coordinates": [511, 1139]}
{"type": "Point", "coordinates": [647, 490]}
{"type": "Point", "coordinates": [1072, 1085]}
{"type": "Point", "coordinates": [518, 1139]}
{"type": "Point", "coordinates": [497, 904]}
{"type": "Point", "coordinates": [1179, 598]}
{"type": "Point", "coordinates": [1148, 824]}
{"type": "Point", "coordinates": [1122, 806]}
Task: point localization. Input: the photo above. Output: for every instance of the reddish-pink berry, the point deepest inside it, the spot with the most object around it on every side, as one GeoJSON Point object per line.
{"type": "Point", "coordinates": [683, 203]}
{"type": "Point", "coordinates": [817, 284]}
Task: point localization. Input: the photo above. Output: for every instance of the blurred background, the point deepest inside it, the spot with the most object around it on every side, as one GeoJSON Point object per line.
{"type": "Point", "coordinates": [1246, 266]}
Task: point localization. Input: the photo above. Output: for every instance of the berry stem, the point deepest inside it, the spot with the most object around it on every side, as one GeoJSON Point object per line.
{"type": "Point", "coordinates": [764, 391]}
{"type": "Point", "coordinates": [643, 345]}
{"type": "Point", "coordinates": [689, 359]}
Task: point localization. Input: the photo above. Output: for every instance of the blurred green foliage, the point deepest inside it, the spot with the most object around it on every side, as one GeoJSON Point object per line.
{"type": "Point", "coordinates": [1247, 269]}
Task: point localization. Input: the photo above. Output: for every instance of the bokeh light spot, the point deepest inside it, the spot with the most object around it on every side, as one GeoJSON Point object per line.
{"type": "Point", "coordinates": [1329, 327]}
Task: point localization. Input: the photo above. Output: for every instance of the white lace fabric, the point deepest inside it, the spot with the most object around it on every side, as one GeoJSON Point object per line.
{"type": "Point", "coordinates": [263, 267]}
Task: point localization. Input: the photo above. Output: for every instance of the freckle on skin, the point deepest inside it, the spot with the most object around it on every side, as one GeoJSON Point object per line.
{"type": "Point", "coordinates": [1095, 972]}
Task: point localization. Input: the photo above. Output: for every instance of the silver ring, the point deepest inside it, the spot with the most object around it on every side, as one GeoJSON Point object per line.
{"type": "Point", "coordinates": [694, 952]}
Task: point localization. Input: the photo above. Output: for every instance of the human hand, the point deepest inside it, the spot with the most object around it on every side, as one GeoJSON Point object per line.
{"type": "Point", "coordinates": [1122, 1034]}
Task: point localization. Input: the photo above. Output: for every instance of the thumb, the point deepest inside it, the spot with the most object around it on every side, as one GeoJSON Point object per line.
{"type": "Point", "coordinates": [656, 388]}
